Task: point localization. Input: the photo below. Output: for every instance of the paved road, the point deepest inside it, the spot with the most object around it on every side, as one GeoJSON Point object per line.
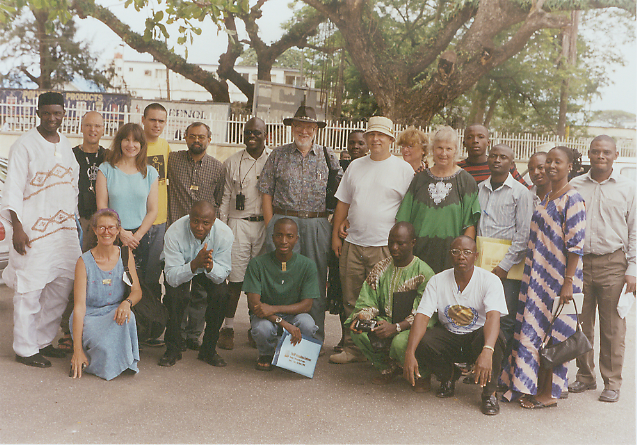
{"type": "Point", "coordinates": [194, 402]}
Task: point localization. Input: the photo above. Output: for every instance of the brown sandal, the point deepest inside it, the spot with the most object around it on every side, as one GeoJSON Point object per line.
{"type": "Point", "coordinates": [66, 343]}
{"type": "Point", "coordinates": [264, 363]}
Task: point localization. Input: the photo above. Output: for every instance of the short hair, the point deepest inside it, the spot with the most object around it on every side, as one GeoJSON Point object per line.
{"type": "Point", "coordinates": [477, 125]}
{"type": "Point", "coordinates": [461, 237]}
{"type": "Point", "coordinates": [446, 134]}
{"type": "Point", "coordinates": [354, 132]}
{"type": "Point", "coordinates": [606, 138]}
{"type": "Point", "coordinates": [286, 220]}
{"type": "Point", "coordinates": [504, 146]}
{"type": "Point", "coordinates": [199, 124]}
{"type": "Point", "coordinates": [115, 154]}
{"type": "Point", "coordinates": [538, 153]}
{"type": "Point", "coordinates": [203, 205]}
{"type": "Point", "coordinates": [110, 213]}
{"type": "Point", "coordinates": [567, 151]}
{"type": "Point", "coordinates": [406, 225]}
{"type": "Point", "coordinates": [412, 136]}
{"type": "Point", "coordinates": [155, 106]}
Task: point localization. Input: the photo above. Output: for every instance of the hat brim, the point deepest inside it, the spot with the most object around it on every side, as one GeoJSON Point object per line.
{"type": "Point", "coordinates": [380, 130]}
{"type": "Point", "coordinates": [288, 121]}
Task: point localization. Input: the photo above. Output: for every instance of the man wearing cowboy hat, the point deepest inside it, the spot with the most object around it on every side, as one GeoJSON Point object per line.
{"type": "Point", "coordinates": [368, 197]}
{"type": "Point", "coordinates": [294, 183]}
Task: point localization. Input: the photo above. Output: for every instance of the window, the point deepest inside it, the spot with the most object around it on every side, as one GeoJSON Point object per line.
{"type": "Point", "coordinates": [289, 80]}
{"type": "Point", "coordinates": [148, 73]}
{"type": "Point", "coordinates": [130, 70]}
{"type": "Point", "coordinates": [246, 76]}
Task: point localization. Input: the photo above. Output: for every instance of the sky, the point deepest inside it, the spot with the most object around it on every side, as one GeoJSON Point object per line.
{"type": "Point", "coordinates": [621, 94]}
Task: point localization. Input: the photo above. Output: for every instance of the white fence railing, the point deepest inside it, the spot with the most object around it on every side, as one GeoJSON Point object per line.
{"type": "Point", "coordinates": [22, 117]}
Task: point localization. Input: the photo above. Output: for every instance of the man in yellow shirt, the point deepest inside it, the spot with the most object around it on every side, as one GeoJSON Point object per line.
{"type": "Point", "coordinates": [154, 121]}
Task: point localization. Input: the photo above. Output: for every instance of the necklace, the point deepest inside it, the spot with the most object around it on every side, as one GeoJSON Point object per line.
{"type": "Point", "coordinates": [548, 196]}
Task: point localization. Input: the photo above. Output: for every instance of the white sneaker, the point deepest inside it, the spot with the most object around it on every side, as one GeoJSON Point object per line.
{"type": "Point", "coordinates": [345, 357]}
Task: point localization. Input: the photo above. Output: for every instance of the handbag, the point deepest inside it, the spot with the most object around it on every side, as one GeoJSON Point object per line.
{"type": "Point", "coordinates": [574, 346]}
{"type": "Point", "coordinates": [333, 181]}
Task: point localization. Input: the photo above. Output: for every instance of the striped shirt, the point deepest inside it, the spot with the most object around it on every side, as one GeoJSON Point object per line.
{"type": "Point", "coordinates": [506, 214]}
{"type": "Point", "coordinates": [481, 172]}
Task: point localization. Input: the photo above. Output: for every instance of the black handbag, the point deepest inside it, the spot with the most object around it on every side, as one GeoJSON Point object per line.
{"type": "Point", "coordinates": [333, 182]}
{"type": "Point", "coordinates": [574, 346]}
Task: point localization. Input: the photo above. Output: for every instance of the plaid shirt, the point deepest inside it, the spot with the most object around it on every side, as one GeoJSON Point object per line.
{"type": "Point", "coordinates": [190, 181]}
{"type": "Point", "coordinates": [296, 182]}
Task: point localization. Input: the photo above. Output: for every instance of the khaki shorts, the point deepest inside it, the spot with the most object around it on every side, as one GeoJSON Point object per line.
{"type": "Point", "coordinates": [249, 237]}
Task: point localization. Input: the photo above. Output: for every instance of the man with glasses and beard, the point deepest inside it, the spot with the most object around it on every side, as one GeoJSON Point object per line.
{"type": "Point", "coordinates": [241, 210]}
{"type": "Point", "coordinates": [193, 176]}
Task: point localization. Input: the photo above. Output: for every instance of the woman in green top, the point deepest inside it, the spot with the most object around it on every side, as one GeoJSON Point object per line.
{"type": "Point", "coordinates": [441, 203]}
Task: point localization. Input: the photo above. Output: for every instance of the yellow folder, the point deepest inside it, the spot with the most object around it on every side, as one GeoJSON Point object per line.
{"type": "Point", "coordinates": [490, 253]}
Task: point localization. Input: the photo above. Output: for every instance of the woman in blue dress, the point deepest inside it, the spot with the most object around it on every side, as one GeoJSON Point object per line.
{"type": "Point", "coordinates": [102, 318]}
{"type": "Point", "coordinates": [552, 272]}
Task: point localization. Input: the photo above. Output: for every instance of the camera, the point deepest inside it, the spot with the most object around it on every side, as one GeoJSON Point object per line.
{"type": "Point", "coordinates": [240, 201]}
{"type": "Point", "coordinates": [365, 325]}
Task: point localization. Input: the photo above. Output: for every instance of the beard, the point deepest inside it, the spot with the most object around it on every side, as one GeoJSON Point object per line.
{"type": "Point", "coordinates": [196, 149]}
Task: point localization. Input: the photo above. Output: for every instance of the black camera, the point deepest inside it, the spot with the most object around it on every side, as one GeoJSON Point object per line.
{"type": "Point", "coordinates": [365, 325]}
{"type": "Point", "coordinates": [240, 201]}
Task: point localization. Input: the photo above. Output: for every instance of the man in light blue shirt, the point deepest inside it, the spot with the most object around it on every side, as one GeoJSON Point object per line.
{"type": "Point", "coordinates": [196, 250]}
{"type": "Point", "coordinates": [507, 207]}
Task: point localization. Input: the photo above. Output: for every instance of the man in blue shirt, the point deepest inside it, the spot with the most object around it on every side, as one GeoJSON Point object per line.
{"type": "Point", "coordinates": [196, 250]}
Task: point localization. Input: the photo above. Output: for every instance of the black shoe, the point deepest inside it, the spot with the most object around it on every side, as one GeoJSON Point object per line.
{"type": "Point", "coordinates": [215, 360]}
{"type": "Point", "coordinates": [581, 387]}
{"type": "Point", "coordinates": [50, 351]}
{"type": "Point", "coordinates": [193, 344]}
{"type": "Point", "coordinates": [153, 343]}
{"type": "Point", "coordinates": [169, 358]}
{"type": "Point", "coordinates": [490, 405]}
{"type": "Point", "coordinates": [182, 346]}
{"type": "Point", "coordinates": [447, 389]}
{"type": "Point", "coordinates": [609, 395]}
{"type": "Point", "coordinates": [36, 360]}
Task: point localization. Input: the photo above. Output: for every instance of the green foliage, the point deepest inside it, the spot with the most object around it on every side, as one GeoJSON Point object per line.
{"type": "Point", "coordinates": [64, 58]}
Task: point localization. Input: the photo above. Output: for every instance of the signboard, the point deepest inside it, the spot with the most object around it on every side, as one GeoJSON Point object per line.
{"type": "Point", "coordinates": [182, 114]}
{"type": "Point", "coordinates": [274, 101]}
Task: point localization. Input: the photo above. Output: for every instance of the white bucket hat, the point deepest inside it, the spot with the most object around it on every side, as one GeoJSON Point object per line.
{"type": "Point", "coordinates": [382, 125]}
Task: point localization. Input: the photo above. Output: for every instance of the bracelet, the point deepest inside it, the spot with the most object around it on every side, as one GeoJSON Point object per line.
{"type": "Point", "coordinates": [131, 303]}
{"type": "Point", "coordinates": [488, 347]}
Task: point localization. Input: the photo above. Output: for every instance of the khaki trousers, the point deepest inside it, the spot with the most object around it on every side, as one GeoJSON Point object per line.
{"type": "Point", "coordinates": [355, 264]}
{"type": "Point", "coordinates": [603, 282]}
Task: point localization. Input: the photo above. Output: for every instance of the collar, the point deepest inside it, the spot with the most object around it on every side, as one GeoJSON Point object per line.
{"type": "Point", "coordinates": [614, 175]}
{"type": "Point", "coordinates": [508, 182]}
{"type": "Point", "coordinates": [264, 154]}
{"type": "Point", "coordinates": [190, 159]}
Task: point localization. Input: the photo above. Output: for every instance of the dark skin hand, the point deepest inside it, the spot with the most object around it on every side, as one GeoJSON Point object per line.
{"type": "Point", "coordinates": [483, 366]}
{"type": "Point", "coordinates": [500, 273]}
{"type": "Point", "coordinates": [268, 312]}
{"type": "Point", "coordinates": [203, 260]}
{"type": "Point", "coordinates": [20, 238]}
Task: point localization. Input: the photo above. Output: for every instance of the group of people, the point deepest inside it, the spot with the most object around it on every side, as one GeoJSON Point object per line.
{"type": "Point", "coordinates": [404, 238]}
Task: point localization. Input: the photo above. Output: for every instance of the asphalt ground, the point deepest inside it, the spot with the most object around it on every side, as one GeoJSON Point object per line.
{"type": "Point", "coordinates": [193, 402]}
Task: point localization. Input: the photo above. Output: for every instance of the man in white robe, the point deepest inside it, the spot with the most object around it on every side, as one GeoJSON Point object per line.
{"type": "Point", "coordinates": [40, 201]}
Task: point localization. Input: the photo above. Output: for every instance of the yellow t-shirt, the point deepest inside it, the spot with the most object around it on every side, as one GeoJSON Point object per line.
{"type": "Point", "coordinates": [158, 158]}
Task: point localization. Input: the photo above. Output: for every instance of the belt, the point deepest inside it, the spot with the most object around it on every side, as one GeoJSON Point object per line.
{"type": "Point", "coordinates": [300, 213]}
{"type": "Point", "coordinates": [254, 218]}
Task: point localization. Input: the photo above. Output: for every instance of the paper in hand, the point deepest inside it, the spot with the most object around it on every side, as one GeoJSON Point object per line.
{"type": "Point", "coordinates": [626, 301]}
{"type": "Point", "coordinates": [569, 308]}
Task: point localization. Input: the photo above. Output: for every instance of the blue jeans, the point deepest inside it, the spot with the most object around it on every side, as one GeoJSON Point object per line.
{"type": "Point", "coordinates": [266, 334]}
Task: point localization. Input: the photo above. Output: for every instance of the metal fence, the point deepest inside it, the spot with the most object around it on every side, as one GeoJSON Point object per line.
{"type": "Point", "coordinates": [22, 117]}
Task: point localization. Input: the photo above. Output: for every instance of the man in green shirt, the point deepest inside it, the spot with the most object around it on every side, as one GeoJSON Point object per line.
{"type": "Point", "coordinates": [281, 287]}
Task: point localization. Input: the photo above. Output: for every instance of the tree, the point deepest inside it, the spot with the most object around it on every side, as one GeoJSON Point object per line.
{"type": "Point", "coordinates": [30, 34]}
{"type": "Point", "coordinates": [417, 57]}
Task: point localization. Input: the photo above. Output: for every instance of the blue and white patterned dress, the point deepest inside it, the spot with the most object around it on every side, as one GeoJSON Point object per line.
{"type": "Point", "coordinates": [556, 231]}
{"type": "Point", "coordinates": [109, 347]}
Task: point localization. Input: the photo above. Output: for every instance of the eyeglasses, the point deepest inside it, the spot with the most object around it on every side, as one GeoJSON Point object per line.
{"type": "Point", "coordinates": [457, 252]}
{"type": "Point", "coordinates": [252, 132]}
{"type": "Point", "coordinates": [111, 229]}
{"type": "Point", "coordinates": [197, 137]}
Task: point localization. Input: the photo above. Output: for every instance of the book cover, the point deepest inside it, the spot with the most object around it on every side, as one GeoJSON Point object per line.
{"type": "Point", "coordinates": [490, 253]}
{"type": "Point", "coordinates": [300, 358]}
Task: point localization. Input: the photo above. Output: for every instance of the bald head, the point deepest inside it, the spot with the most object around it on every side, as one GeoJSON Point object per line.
{"type": "Point", "coordinates": [92, 131]}
{"type": "Point", "coordinates": [604, 138]}
{"type": "Point", "coordinates": [404, 227]}
{"type": "Point", "coordinates": [202, 217]}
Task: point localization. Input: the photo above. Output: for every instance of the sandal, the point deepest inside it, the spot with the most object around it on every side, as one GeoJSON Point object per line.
{"type": "Point", "coordinates": [264, 363]}
{"type": "Point", "coordinates": [531, 402]}
{"type": "Point", "coordinates": [66, 343]}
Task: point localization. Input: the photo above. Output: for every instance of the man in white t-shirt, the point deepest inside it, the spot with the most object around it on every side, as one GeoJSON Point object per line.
{"type": "Point", "coordinates": [469, 302]}
{"type": "Point", "coordinates": [369, 195]}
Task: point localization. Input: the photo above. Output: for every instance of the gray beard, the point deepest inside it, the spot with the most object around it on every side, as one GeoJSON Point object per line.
{"type": "Point", "coordinates": [304, 146]}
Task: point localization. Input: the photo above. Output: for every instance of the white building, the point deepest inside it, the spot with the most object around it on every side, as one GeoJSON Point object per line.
{"type": "Point", "coordinates": [147, 80]}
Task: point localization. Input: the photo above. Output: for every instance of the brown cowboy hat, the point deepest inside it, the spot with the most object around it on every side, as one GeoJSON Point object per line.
{"type": "Point", "coordinates": [304, 114]}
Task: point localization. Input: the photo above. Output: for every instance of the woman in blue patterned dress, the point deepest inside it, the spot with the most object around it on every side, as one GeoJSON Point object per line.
{"type": "Point", "coordinates": [552, 272]}
{"type": "Point", "coordinates": [100, 318]}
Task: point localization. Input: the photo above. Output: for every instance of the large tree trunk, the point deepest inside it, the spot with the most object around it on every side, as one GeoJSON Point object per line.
{"type": "Point", "coordinates": [568, 58]}
{"type": "Point", "coordinates": [44, 80]}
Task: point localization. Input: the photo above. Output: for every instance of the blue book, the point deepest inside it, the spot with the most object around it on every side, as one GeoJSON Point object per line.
{"type": "Point", "coordinates": [300, 358]}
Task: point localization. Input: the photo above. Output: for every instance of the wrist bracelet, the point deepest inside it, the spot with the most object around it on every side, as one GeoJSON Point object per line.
{"type": "Point", "coordinates": [488, 347]}
{"type": "Point", "coordinates": [568, 278]}
{"type": "Point", "coordinates": [131, 303]}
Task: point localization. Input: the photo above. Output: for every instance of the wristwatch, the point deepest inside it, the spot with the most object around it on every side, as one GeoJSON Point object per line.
{"type": "Point", "coordinates": [278, 320]}
{"type": "Point", "coordinates": [398, 329]}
